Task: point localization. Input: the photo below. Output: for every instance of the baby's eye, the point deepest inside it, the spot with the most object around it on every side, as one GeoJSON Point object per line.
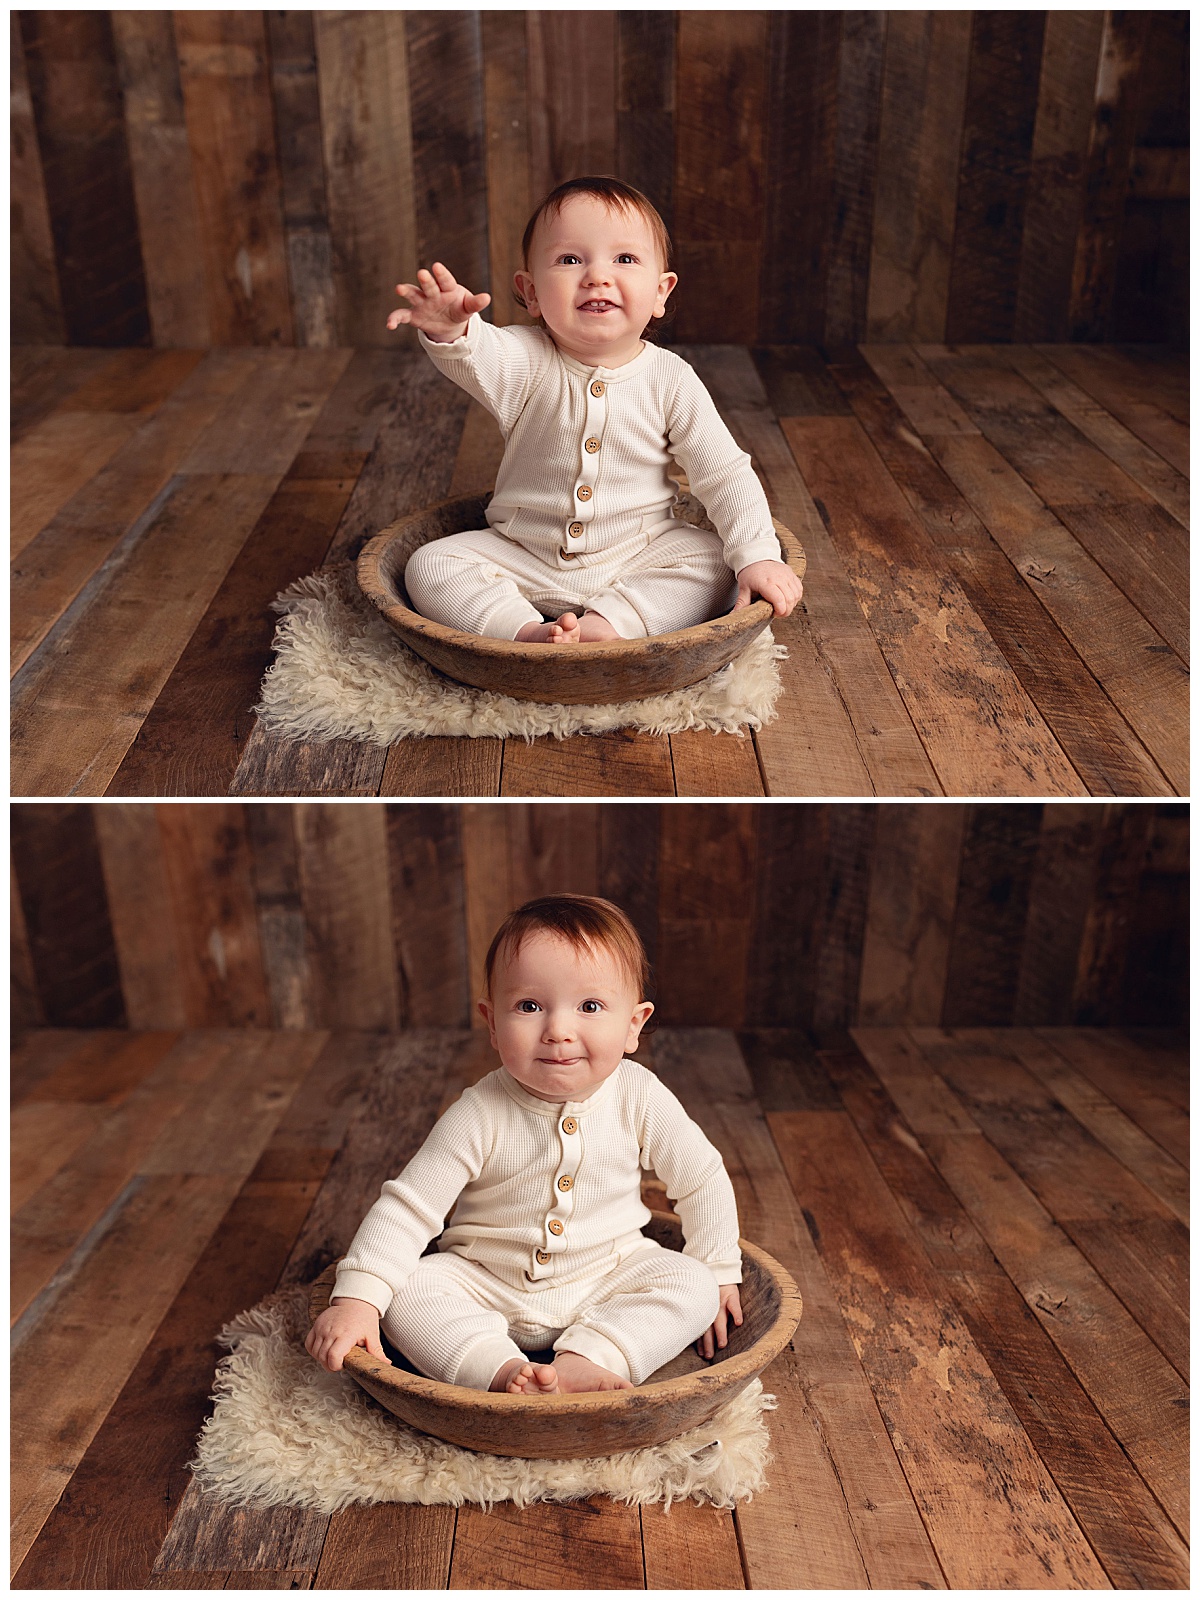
{"type": "Point", "coordinates": [626, 257]}
{"type": "Point", "coordinates": [528, 1006]}
{"type": "Point", "coordinates": [591, 1007]}
{"type": "Point", "coordinates": [569, 260]}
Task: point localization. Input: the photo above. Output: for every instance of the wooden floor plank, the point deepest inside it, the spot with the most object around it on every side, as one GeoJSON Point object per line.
{"type": "Point", "coordinates": [443, 766]}
{"type": "Point", "coordinates": [1107, 1063]}
{"type": "Point", "coordinates": [54, 461]}
{"type": "Point", "coordinates": [1129, 1236]}
{"type": "Point", "coordinates": [983, 733]}
{"type": "Point", "coordinates": [691, 1547]}
{"type": "Point", "coordinates": [1141, 547]}
{"type": "Point", "coordinates": [620, 763]}
{"type": "Point", "coordinates": [1127, 1378]}
{"type": "Point", "coordinates": [105, 1069]}
{"type": "Point", "coordinates": [1145, 466]}
{"type": "Point", "coordinates": [852, 699]}
{"type": "Point", "coordinates": [1139, 672]}
{"type": "Point", "coordinates": [273, 765]}
{"type": "Point", "coordinates": [43, 1137]}
{"type": "Point", "coordinates": [715, 764]}
{"type": "Point", "coordinates": [1118, 391]}
{"type": "Point", "coordinates": [238, 1539]}
{"type": "Point", "coordinates": [994, 1514]}
{"type": "Point", "coordinates": [1126, 1527]}
{"type": "Point", "coordinates": [1096, 738]}
{"type": "Point", "coordinates": [388, 1547]}
{"type": "Point", "coordinates": [585, 1544]}
{"type": "Point", "coordinates": [91, 524]}
{"type": "Point", "coordinates": [43, 376]}
{"type": "Point", "coordinates": [42, 1051]}
{"type": "Point", "coordinates": [840, 1514]}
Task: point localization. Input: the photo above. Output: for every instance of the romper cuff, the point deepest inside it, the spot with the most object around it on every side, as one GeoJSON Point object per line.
{"type": "Point", "coordinates": [364, 1286]}
{"type": "Point", "coordinates": [725, 1271]}
{"type": "Point", "coordinates": [508, 618]}
{"type": "Point", "coordinates": [461, 347]}
{"type": "Point", "coordinates": [597, 1347]}
{"type": "Point", "coordinates": [765, 548]}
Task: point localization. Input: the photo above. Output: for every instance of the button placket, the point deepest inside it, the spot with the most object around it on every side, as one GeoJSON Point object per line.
{"type": "Point", "coordinates": [584, 492]}
{"type": "Point", "coordinates": [570, 1143]}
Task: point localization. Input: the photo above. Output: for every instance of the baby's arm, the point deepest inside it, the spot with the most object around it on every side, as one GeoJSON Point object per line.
{"type": "Point", "coordinates": [774, 581]}
{"type": "Point", "coordinates": [438, 305]}
{"type": "Point", "coordinates": [344, 1324]}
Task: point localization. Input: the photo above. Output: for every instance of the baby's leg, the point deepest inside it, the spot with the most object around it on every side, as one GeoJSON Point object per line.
{"type": "Point", "coordinates": [473, 581]}
{"type": "Point", "coordinates": [641, 1315]}
{"type": "Point", "coordinates": [681, 578]}
{"type": "Point", "coordinates": [450, 1318]}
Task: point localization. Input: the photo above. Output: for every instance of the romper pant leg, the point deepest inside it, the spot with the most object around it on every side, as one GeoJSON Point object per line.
{"type": "Point", "coordinates": [644, 1313]}
{"type": "Point", "coordinates": [471, 581]}
{"type": "Point", "coordinates": [449, 1319]}
{"type": "Point", "coordinates": [681, 578]}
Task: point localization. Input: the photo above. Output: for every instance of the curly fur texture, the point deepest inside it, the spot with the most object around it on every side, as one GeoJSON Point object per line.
{"type": "Point", "coordinates": [286, 1432]}
{"type": "Point", "coordinates": [341, 673]}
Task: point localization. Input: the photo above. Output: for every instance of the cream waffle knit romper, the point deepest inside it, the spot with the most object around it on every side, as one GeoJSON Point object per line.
{"type": "Point", "coordinates": [544, 1246]}
{"type": "Point", "coordinates": [581, 517]}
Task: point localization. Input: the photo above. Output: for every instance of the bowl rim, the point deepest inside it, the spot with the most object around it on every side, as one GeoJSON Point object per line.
{"type": "Point", "coordinates": [737, 1368]}
{"type": "Point", "coordinates": [370, 581]}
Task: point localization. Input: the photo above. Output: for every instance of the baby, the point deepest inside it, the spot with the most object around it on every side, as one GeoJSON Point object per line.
{"type": "Point", "coordinates": [581, 543]}
{"type": "Point", "coordinates": [542, 1163]}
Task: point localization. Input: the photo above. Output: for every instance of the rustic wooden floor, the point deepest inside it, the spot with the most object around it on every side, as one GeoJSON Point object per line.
{"type": "Point", "coordinates": [996, 600]}
{"type": "Point", "coordinates": [987, 1389]}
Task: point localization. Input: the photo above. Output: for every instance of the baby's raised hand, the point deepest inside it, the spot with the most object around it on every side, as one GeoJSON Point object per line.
{"type": "Point", "coordinates": [438, 305]}
{"type": "Point", "coordinates": [344, 1324]}
{"type": "Point", "coordinates": [774, 581]}
{"type": "Point", "coordinates": [717, 1337]}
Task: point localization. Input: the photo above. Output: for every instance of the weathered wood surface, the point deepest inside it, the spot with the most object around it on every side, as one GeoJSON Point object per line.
{"type": "Point", "coordinates": [943, 1416]}
{"type": "Point", "coordinates": [1029, 522]}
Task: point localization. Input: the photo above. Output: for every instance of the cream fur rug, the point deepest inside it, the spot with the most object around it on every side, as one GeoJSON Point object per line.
{"type": "Point", "coordinates": [286, 1432]}
{"type": "Point", "coordinates": [341, 673]}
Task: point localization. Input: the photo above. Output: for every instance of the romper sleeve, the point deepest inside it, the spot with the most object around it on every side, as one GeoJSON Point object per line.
{"type": "Point", "coordinates": [499, 367]}
{"type": "Point", "coordinates": [696, 1180]}
{"type": "Point", "coordinates": [412, 1208]}
{"type": "Point", "coordinates": [719, 473]}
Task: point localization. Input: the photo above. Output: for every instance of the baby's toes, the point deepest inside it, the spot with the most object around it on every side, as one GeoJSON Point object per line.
{"type": "Point", "coordinates": [521, 1380]}
{"type": "Point", "coordinates": [546, 1379]}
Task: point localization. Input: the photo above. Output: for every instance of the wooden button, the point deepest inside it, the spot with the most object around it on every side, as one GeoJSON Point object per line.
{"type": "Point", "coordinates": [597, 388]}
{"type": "Point", "coordinates": [567, 555]}
{"type": "Point", "coordinates": [569, 1125]}
{"type": "Point", "coordinates": [555, 1227]}
{"type": "Point", "coordinates": [575, 531]}
{"type": "Point", "coordinates": [591, 446]}
{"type": "Point", "coordinates": [584, 492]}
{"type": "Point", "coordinates": [543, 1256]}
{"type": "Point", "coordinates": [565, 1181]}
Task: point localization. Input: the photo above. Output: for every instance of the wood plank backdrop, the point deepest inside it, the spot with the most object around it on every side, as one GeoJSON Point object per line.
{"type": "Point", "coordinates": [197, 178]}
{"type": "Point", "coordinates": [818, 916]}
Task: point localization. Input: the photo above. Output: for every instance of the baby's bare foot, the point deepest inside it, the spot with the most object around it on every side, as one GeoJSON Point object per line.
{"type": "Point", "coordinates": [526, 1377]}
{"type": "Point", "coordinates": [578, 1375]}
{"type": "Point", "coordinates": [593, 627]}
{"type": "Point", "coordinates": [564, 631]}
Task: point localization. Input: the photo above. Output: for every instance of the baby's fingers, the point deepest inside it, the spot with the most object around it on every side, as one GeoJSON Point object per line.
{"type": "Point", "coordinates": [443, 277]}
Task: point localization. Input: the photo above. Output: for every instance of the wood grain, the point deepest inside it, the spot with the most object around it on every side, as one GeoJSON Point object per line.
{"type": "Point", "coordinates": [1116, 1072]}
{"type": "Point", "coordinates": [586, 1544]}
{"type": "Point", "coordinates": [225, 78]}
{"type": "Point", "coordinates": [428, 914]}
{"type": "Point", "coordinates": [572, 113]}
{"type": "Point", "coordinates": [860, 67]}
{"type": "Point", "coordinates": [37, 310]}
{"type": "Point", "coordinates": [645, 97]}
{"type": "Point", "coordinates": [995, 877]}
{"type": "Point", "coordinates": [715, 764]}
{"type": "Point", "coordinates": [704, 933]}
{"type": "Point", "coordinates": [363, 71]}
{"type": "Point", "coordinates": [623, 762]}
{"type": "Point", "coordinates": [164, 179]}
{"type": "Point", "coordinates": [1060, 894]}
{"type": "Point", "coordinates": [282, 934]}
{"type": "Point", "coordinates": [387, 1547]}
{"type": "Point", "coordinates": [1130, 391]}
{"type": "Point", "coordinates": [143, 917]}
{"type": "Point", "coordinates": [510, 199]}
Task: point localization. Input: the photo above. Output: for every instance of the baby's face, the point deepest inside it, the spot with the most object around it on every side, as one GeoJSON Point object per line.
{"type": "Point", "coordinates": [562, 1018]}
{"type": "Point", "coordinates": [596, 279]}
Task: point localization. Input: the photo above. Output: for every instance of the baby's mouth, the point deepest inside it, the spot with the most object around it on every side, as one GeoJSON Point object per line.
{"type": "Point", "coordinates": [598, 307]}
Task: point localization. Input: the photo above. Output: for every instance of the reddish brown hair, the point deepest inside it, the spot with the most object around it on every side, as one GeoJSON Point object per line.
{"type": "Point", "coordinates": [585, 921]}
{"type": "Point", "coordinates": [615, 194]}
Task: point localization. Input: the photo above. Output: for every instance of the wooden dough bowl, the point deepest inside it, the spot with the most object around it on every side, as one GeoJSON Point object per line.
{"type": "Point", "coordinates": [574, 675]}
{"type": "Point", "coordinates": [680, 1396]}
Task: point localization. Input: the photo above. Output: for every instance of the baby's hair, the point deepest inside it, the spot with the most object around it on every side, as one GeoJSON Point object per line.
{"type": "Point", "coordinates": [585, 921]}
{"type": "Point", "coordinates": [615, 194]}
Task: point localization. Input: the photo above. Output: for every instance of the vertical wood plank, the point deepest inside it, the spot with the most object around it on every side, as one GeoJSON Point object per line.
{"type": "Point", "coordinates": [61, 885]}
{"type": "Point", "coordinates": [36, 310]}
{"type": "Point", "coordinates": [999, 850]}
{"type": "Point", "coordinates": [428, 914]}
{"type": "Point", "coordinates": [445, 86]}
{"type": "Point", "coordinates": [572, 96]}
{"type": "Point", "coordinates": [226, 85]}
{"type": "Point", "coordinates": [920, 130]}
{"type": "Point", "coordinates": [347, 905]}
{"type": "Point", "coordinates": [910, 913]}
{"type": "Point", "coordinates": [487, 886]}
{"type": "Point", "coordinates": [143, 916]}
{"type": "Point", "coordinates": [707, 857]}
{"type": "Point", "coordinates": [163, 181]}
{"type": "Point", "coordinates": [25, 1003]}
{"type": "Point", "coordinates": [1064, 881]}
{"type": "Point", "coordinates": [76, 98]}
{"type": "Point", "coordinates": [1002, 87]}
{"type": "Point", "coordinates": [842, 916]}
{"type": "Point", "coordinates": [1054, 207]}
{"type": "Point", "coordinates": [646, 106]}
{"type": "Point", "coordinates": [506, 127]}
{"type": "Point", "coordinates": [553, 849]}
{"type": "Point", "coordinates": [363, 78]}
{"type": "Point", "coordinates": [628, 867]}
{"type": "Point", "coordinates": [282, 935]}
{"type": "Point", "coordinates": [207, 863]}
{"type": "Point", "coordinates": [302, 174]}
{"type": "Point", "coordinates": [860, 67]}
{"type": "Point", "coordinates": [1106, 181]}
{"type": "Point", "coordinates": [802, 53]}
{"type": "Point", "coordinates": [1155, 989]}
{"type": "Point", "coordinates": [781, 975]}
{"type": "Point", "coordinates": [1104, 947]}
{"type": "Point", "coordinates": [721, 61]}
